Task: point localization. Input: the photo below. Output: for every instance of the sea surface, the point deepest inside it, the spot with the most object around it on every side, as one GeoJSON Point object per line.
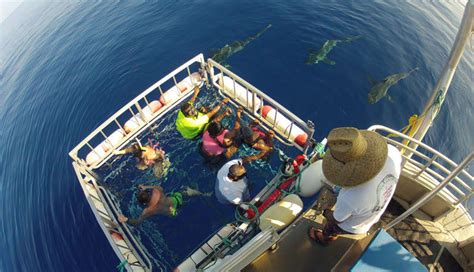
{"type": "Point", "coordinates": [66, 66]}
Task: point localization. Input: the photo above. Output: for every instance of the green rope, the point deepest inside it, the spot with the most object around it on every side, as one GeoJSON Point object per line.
{"type": "Point", "coordinates": [121, 267]}
{"type": "Point", "coordinates": [242, 219]}
{"type": "Point", "coordinates": [226, 241]}
{"type": "Point", "coordinates": [320, 149]}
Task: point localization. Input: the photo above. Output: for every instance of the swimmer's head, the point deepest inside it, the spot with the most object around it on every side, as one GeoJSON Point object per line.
{"type": "Point", "coordinates": [215, 129]}
{"type": "Point", "coordinates": [237, 172]}
{"type": "Point", "coordinates": [188, 110]}
{"type": "Point", "coordinates": [229, 138]}
{"type": "Point", "coordinates": [144, 196]}
{"type": "Point", "coordinates": [248, 136]}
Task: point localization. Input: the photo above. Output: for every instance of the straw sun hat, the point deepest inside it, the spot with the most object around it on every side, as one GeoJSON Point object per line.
{"type": "Point", "coordinates": [354, 156]}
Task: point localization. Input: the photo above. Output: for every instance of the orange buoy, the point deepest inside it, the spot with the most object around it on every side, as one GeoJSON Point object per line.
{"type": "Point", "coordinates": [283, 125]}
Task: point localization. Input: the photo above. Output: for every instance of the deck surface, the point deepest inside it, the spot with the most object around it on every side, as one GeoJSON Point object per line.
{"type": "Point", "coordinates": [296, 252]}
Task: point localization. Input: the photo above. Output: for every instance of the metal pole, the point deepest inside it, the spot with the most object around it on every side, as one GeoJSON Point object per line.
{"type": "Point", "coordinates": [441, 88]}
{"type": "Point", "coordinates": [422, 201]}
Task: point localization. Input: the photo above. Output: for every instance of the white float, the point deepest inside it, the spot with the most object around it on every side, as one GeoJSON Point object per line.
{"type": "Point", "coordinates": [241, 94]}
{"type": "Point", "coordinates": [282, 213]}
{"type": "Point", "coordinates": [95, 155]}
{"type": "Point", "coordinates": [152, 108]}
{"type": "Point", "coordinates": [133, 123]}
{"type": "Point", "coordinates": [170, 95]}
{"type": "Point", "coordinates": [114, 140]}
{"type": "Point", "coordinates": [136, 121]}
{"type": "Point", "coordinates": [99, 152]}
{"type": "Point", "coordinates": [189, 82]}
{"type": "Point", "coordinates": [174, 93]}
{"type": "Point", "coordinates": [312, 179]}
{"type": "Point", "coordinates": [283, 125]}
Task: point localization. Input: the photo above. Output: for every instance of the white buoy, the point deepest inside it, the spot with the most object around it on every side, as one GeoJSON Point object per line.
{"type": "Point", "coordinates": [282, 213]}
{"type": "Point", "coordinates": [171, 95]}
{"type": "Point", "coordinates": [114, 140]}
{"type": "Point", "coordinates": [312, 179]}
{"type": "Point", "coordinates": [240, 93]}
{"type": "Point", "coordinates": [284, 125]}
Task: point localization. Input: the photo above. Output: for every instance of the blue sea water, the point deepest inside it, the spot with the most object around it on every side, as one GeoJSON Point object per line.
{"type": "Point", "coordinates": [66, 66]}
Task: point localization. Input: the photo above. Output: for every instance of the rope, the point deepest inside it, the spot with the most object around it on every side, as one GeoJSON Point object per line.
{"type": "Point", "coordinates": [320, 149]}
{"type": "Point", "coordinates": [242, 219]}
{"type": "Point", "coordinates": [415, 121]}
{"type": "Point", "coordinates": [121, 267]}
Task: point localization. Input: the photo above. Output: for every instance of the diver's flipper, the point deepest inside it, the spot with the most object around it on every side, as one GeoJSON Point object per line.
{"type": "Point", "coordinates": [328, 61]}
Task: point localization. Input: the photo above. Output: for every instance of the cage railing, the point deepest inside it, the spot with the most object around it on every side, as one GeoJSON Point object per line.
{"type": "Point", "coordinates": [254, 101]}
{"type": "Point", "coordinates": [135, 109]}
{"type": "Point", "coordinates": [105, 215]}
{"type": "Point", "coordinates": [431, 162]}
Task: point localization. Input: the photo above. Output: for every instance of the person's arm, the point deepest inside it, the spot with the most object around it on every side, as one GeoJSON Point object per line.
{"type": "Point", "coordinates": [144, 187]}
{"type": "Point", "coordinates": [127, 150]}
{"type": "Point", "coordinates": [132, 221]}
{"type": "Point", "coordinates": [217, 108]}
{"type": "Point", "coordinates": [219, 118]}
{"type": "Point", "coordinates": [237, 118]}
{"type": "Point", "coordinates": [230, 151]}
{"type": "Point", "coordinates": [196, 92]}
{"type": "Point", "coordinates": [264, 151]}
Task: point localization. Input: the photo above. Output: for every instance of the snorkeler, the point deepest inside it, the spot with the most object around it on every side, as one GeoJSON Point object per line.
{"type": "Point", "coordinates": [213, 147]}
{"type": "Point", "coordinates": [157, 202]}
{"type": "Point", "coordinates": [231, 183]}
{"type": "Point", "coordinates": [148, 156]}
{"type": "Point", "coordinates": [191, 122]}
{"type": "Point", "coordinates": [257, 139]}
{"type": "Point", "coordinates": [232, 139]}
{"type": "Point", "coordinates": [252, 136]}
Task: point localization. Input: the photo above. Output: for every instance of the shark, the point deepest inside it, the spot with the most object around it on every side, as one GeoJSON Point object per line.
{"type": "Point", "coordinates": [194, 192]}
{"type": "Point", "coordinates": [380, 88]}
{"type": "Point", "coordinates": [316, 56]}
{"type": "Point", "coordinates": [221, 55]}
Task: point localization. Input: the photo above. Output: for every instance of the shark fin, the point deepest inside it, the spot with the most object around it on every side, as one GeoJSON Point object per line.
{"type": "Point", "coordinates": [390, 99]}
{"type": "Point", "coordinates": [350, 39]}
{"type": "Point", "coordinates": [328, 61]}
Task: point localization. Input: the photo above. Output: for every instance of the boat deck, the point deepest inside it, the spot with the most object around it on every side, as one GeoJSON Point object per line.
{"type": "Point", "coordinates": [296, 252]}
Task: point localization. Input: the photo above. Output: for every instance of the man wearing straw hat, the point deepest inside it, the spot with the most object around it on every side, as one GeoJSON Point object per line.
{"type": "Point", "coordinates": [367, 170]}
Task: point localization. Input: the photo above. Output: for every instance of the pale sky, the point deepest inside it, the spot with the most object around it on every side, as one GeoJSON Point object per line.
{"type": "Point", "coordinates": [7, 7]}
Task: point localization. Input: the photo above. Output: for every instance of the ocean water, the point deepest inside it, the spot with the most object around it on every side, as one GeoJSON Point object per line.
{"type": "Point", "coordinates": [67, 66]}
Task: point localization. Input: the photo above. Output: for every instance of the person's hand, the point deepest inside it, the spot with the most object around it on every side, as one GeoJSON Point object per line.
{"type": "Point", "coordinates": [122, 218]}
{"type": "Point", "coordinates": [271, 133]}
{"type": "Point", "coordinates": [255, 122]}
{"type": "Point", "coordinates": [228, 111]}
{"type": "Point", "coordinates": [141, 187]}
{"type": "Point", "coordinates": [240, 110]}
{"type": "Point", "coordinates": [246, 160]}
{"type": "Point", "coordinates": [118, 152]}
{"type": "Point", "coordinates": [225, 100]}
